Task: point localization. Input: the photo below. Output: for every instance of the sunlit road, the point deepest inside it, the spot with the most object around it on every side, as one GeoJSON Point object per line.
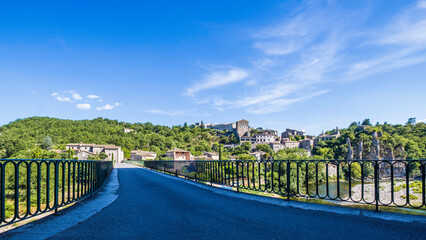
{"type": "Point", "coordinates": [151, 206]}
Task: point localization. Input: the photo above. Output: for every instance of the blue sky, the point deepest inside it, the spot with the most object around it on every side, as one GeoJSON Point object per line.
{"type": "Point", "coordinates": [310, 65]}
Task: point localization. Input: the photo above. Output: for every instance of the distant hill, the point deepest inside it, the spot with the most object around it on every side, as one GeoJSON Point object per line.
{"type": "Point", "coordinates": [21, 135]}
{"type": "Point", "coordinates": [24, 138]}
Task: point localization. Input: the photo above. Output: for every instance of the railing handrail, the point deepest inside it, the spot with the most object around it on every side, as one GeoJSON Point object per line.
{"type": "Point", "coordinates": [52, 160]}
{"type": "Point", "coordinates": [293, 160]}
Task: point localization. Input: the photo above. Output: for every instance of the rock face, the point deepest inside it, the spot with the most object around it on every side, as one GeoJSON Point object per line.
{"type": "Point", "coordinates": [375, 146]}
{"type": "Point", "coordinates": [350, 154]}
{"type": "Point", "coordinates": [400, 153]}
{"type": "Point", "coordinates": [360, 149]}
{"type": "Point", "coordinates": [388, 153]}
{"type": "Point", "coordinates": [377, 150]}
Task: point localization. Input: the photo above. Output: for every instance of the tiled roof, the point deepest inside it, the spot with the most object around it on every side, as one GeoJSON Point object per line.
{"type": "Point", "coordinates": [94, 145]}
{"type": "Point", "coordinates": [177, 150]}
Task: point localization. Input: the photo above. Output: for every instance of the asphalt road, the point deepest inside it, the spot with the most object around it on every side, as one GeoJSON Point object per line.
{"type": "Point", "coordinates": [151, 206]}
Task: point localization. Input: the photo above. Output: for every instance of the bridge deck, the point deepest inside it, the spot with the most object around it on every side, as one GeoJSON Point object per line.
{"type": "Point", "coordinates": [151, 206]}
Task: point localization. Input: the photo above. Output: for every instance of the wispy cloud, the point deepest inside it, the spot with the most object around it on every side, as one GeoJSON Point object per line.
{"type": "Point", "coordinates": [421, 4]}
{"type": "Point", "coordinates": [174, 113]}
{"type": "Point", "coordinates": [54, 94]}
{"type": "Point", "coordinates": [218, 78]}
{"type": "Point", "coordinates": [83, 106]}
{"type": "Point", "coordinates": [402, 42]}
{"type": "Point", "coordinates": [109, 106]}
{"type": "Point", "coordinates": [316, 44]}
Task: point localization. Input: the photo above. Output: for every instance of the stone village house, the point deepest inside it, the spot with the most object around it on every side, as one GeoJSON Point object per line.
{"type": "Point", "coordinates": [83, 151]}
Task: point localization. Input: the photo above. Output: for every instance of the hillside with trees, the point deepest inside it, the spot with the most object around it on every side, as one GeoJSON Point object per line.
{"type": "Point", "coordinates": [396, 141]}
{"type": "Point", "coordinates": [34, 137]}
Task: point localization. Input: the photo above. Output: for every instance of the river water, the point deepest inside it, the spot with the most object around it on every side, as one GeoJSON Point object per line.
{"type": "Point", "coordinates": [332, 188]}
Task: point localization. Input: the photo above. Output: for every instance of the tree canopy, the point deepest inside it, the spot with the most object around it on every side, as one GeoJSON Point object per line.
{"type": "Point", "coordinates": [43, 133]}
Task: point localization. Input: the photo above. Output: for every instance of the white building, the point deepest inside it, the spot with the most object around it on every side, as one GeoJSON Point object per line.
{"type": "Point", "coordinates": [138, 155]}
{"type": "Point", "coordinates": [128, 130]}
{"type": "Point", "coordinates": [291, 144]}
{"type": "Point", "coordinates": [264, 138]}
{"type": "Point", "coordinates": [276, 146]}
{"type": "Point", "coordinates": [258, 155]}
{"type": "Point", "coordinates": [179, 154]}
{"type": "Point", "coordinates": [259, 138]}
{"type": "Point", "coordinates": [82, 151]}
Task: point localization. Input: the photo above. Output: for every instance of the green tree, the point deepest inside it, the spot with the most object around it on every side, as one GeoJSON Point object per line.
{"type": "Point", "coordinates": [366, 122]}
{"type": "Point", "coordinates": [102, 155]}
{"type": "Point", "coordinates": [411, 121]}
{"type": "Point", "coordinates": [46, 144]}
{"type": "Point", "coordinates": [355, 170]}
{"type": "Point", "coordinates": [265, 148]}
{"type": "Point", "coordinates": [245, 157]}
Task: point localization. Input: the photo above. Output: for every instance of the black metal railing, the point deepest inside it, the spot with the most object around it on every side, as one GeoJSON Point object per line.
{"type": "Point", "coordinates": [393, 183]}
{"type": "Point", "coordinates": [31, 187]}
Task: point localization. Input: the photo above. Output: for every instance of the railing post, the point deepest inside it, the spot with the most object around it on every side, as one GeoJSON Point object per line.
{"type": "Point", "coordinates": [28, 189]}
{"type": "Point", "coordinates": [288, 180]}
{"type": "Point", "coordinates": [238, 178]}
{"type": "Point", "coordinates": [211, 172]}
{"type": "Point", "coordinates": [56, 186]}
{"type": "Point", "coordinates": [2, 196]}
{"type": "Point", "coordinates": [423, 183]}
{"type": "Point", "coordinates": [164, 166]}
{"type": "Point", "coordinates": [376, 184]}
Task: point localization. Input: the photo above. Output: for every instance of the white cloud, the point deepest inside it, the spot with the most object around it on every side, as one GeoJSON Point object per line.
{"type": "Point", "coordinates": [217, 79]}
{"type": "Point", "coordinates": [76, 96]}
{"type": "Point", "coordinates": [54, 94]}
{"type": "Point", "coordinates": [63, 99]}
{"type": "Point", "coordinates": [83, 106]}
{"type": "Point", "coordinates": [93, 96]}
{"type": "Point", "coordinates": [109, 106]}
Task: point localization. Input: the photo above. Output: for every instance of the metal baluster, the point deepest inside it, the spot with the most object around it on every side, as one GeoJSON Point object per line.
{"type": "Point", "coordinates": [28, 189]}
{"type": "Point", "coordinates": [2, 206]}
{"type": "Point", "coordinates": [16, 190]}
{"type": "Point", "coordinates": [288, 179]}
{"type": "Point", "coordinates": [238, 179]}
{"type": "Point", "coordinates": [376, 184]}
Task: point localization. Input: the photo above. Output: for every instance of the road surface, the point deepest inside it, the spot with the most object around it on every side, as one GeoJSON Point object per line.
{"type": "Point", "coordinates": [151, 206]}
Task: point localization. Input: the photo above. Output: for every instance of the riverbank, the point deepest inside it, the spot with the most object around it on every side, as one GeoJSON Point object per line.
{"type": "Point", "coordinates": [385, 193]}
